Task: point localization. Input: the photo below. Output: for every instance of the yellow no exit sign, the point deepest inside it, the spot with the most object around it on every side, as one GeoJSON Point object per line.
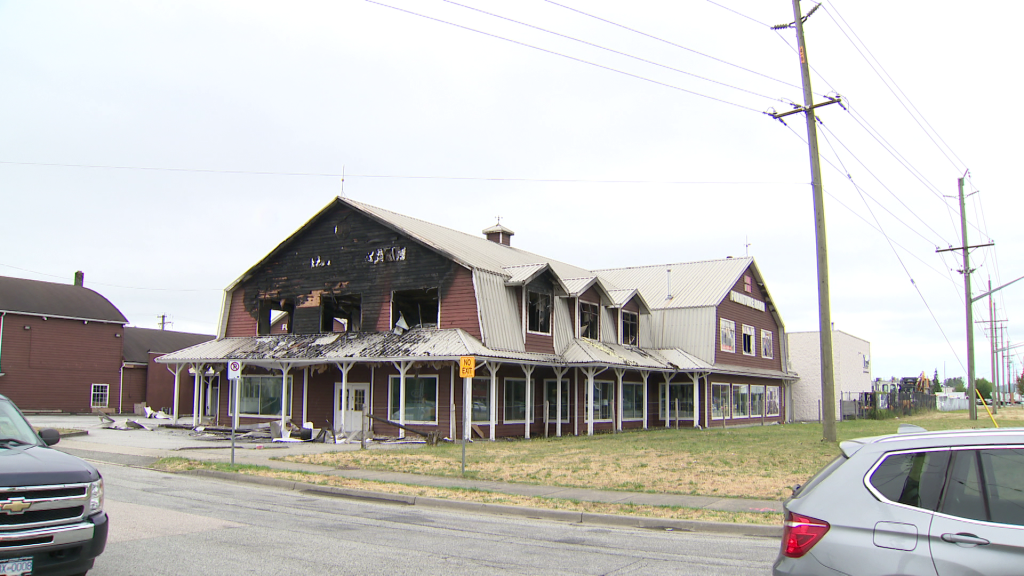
{"type": "Point", "coordinates": [467, 366]}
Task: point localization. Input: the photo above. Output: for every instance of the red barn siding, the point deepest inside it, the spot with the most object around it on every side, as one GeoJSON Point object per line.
{"type": "Point", "coordinates": [133, 383]}
{"type": "Point", "coordinates": [741, 315]}
{"type": "Point", "coordinates": [240, 322]}
{"type": "Point", "coordinates": [53, 364]}
{"type": "Point", "coordinates": [458, 303]}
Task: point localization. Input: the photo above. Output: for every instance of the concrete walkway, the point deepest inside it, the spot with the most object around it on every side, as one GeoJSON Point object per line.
{"type": "Point", "coordinates": [142, 448]}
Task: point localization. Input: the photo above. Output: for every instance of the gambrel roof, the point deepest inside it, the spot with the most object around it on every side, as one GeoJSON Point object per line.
{"type": "Point", "coordinates": [53, 300]}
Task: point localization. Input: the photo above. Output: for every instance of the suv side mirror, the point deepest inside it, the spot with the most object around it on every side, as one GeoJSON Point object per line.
{"type": "Point", "coordinates": [50, 435]}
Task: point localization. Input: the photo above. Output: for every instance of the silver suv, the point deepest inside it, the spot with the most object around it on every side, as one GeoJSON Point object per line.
{"type": "Point", "coordinates": [913, 503]}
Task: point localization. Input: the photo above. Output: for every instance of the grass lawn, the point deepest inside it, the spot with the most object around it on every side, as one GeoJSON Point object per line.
{"type": "Point", "coordinates": [753, 462]}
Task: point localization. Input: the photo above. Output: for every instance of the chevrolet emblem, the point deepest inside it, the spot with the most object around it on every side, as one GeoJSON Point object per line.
{"type": "Point", "coordinates": [15, 506]}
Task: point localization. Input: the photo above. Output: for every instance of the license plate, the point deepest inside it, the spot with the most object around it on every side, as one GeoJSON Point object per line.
{"type": "Point", "coordinates": [16, 566]}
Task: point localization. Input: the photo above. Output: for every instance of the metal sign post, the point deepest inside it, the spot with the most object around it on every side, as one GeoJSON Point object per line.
{"type": "Point", "coordinates": [467, 367]}
{"type": "Point", "coordinates": [234, 373]}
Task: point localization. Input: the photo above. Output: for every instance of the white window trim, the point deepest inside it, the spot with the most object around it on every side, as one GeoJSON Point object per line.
{"type": "Point", "coordinates": [436, 392]}
{"type": "Point", "coordinates": [487, 382]}
{"type": "Point", "coordinates": [106, 395]}
{"type": "Point", "coordinates": [551, 313]}
{"type": "Point", "coordinates": [639, 418]}
{"type": "Point", "coordinates": [726, 326]}
{"type": "Point", "coordinates": [728, 403]}
{"type": "Point", "coordinates": [778, 401]}
{"type": "Point", "coordinates": [733, 401]}
{"type": "Point", "coordinates": [622, 324]}
{"type": "Point", "coordinates": [579, 323]}
{"type": "Point", "coordinates": [750, 400]}
{"type": "Point", "coordinates": [611, 401]}
{"type": "Point", "coordinates": [288, 413]}
{"type": "Point", "coordinates": [504, 397]}
{"type": "Point", "coordinates": [768, 336]}
{"type": "Point", "coordinates": [749, 330]}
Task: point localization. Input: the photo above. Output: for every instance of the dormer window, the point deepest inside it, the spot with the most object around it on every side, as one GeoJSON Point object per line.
{"type": "Point", "coordinates": [630, 328]}
{"type": "Point", "coordinates": [589, 320]}
{"type": "Point", "coordinates": [538, 312]}
{"type": "Point", "coordinates": [748, 284]}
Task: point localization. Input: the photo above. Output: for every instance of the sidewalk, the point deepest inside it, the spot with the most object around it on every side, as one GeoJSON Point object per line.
{"type": "Point", "coordinates": [142, 448]}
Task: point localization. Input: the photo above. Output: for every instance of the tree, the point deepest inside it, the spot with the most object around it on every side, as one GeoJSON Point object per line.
{"type": "Point", "coordinates": [1020, 384]}
{"type": "Point", "coordinates": [956, 384]}
{"type": "Point", "coordinates": [984, 388]}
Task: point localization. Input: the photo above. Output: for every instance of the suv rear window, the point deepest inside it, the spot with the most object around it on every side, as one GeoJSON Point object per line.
{"type": "Point", "coordinates": [912, 478]}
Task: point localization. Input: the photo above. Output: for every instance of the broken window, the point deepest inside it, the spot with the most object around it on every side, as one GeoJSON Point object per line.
{"type": "Point", "coordinates": [630, 328]}
{"type": "Point", "coordinates": [538, 311]}
{"type": "Point", "coordinates": [748, 340]}
{"type": "Point", "coordinates": [589, 314]}
{"type": "Point", "coordinates": [414, 308]}
{"type": "Point", "coordinates": [265, 313]}
{"type": "Point", "coordinates": [341, 313]}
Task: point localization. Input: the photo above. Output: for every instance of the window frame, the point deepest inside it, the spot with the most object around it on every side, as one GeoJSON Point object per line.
{"type": "Point", "coordinates": [249, 377]}
{"type": "Point", "coordinates": [745, 392]}
{"type": "Point", "coordinates": [529, 313]}
{"type": "Point", "coordinates": [505, 382]}
{"type": "Point", "coordinates": [630, 319]}
{"type": "Point", "coordinates": [662, 400]}
{"type": "Point", "coordinates": [726, 410]}
{"type": "Point", "coordinates": [768, 391]}
{"type": "Point", "coordinates": [727, 336]}
{"type": "Point", "coordinates": [750, 331]}
{"type": "Point", "coordinates": [762, 405]}
{"type": "Point", "coordinates": [486, 382]}
{"type": "Point", "coordinates": [592, 327]}
{"type": "Point", "coordinates": [637, 400]}
{"type": "Point", "coordinates": [394, 393]}
{"type": "Point", "coordinates": [767, 344]}
{"type": "Point", "coordinates": [94, 391]}
{"type": "Point", "coordinates": [598, 412]}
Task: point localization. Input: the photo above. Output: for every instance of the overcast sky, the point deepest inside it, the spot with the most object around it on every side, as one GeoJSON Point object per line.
{"type": "Point", "coordinates": [165, 147]}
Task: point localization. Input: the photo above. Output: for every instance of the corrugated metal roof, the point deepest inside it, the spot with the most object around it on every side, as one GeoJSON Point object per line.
{"type": "Point", "coordinates": [500, 316]}
{"type": "Point", "coordinates": [38, 298]}
{"type": "Point", "coordinates": [519, 275]}
{"type": "Point", "coordinates": [577, 286]}
{"type": "Point", "coordinates": [139, 342]}
{"type": "Point", "coordinates": [693, 283]}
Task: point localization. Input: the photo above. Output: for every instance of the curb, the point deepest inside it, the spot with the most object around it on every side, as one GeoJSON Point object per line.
{"type": "Point", "coordinates": [755, 530]}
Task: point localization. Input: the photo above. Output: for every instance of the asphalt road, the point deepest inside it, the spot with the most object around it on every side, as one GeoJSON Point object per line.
{"type": "Point", "coordinates": [175, 524]}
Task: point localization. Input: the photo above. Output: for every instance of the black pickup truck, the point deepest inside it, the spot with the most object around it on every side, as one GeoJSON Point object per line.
{"type": "Point", "coordinates": [52, 521]}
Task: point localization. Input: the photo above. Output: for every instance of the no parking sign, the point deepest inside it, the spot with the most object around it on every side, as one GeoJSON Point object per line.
{"type": "Point", "coordinates": [234, 370]}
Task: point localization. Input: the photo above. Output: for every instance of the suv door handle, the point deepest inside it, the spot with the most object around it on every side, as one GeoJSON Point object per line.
{"type": "Point", "coordinates": [964, 538]}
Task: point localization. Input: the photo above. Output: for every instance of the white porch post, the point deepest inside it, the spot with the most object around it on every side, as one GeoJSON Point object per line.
{"type": "Point", "coordinates": [559, 373]}
{"type": "Point", "coordinates": [492, 367]}
{"type": "Point", "coordinates": [591, 372]}
{"type": "Point", "coordinates": [696, 399]}
{"type": "Point", "coordinates": [645, 374]}
{"type": "Point", "coordinates": [528, 371]}
{"type": "Point", "coordinates": [619, 372]}
{"type": "Point", "coordinates": [403, 368]}
{"type": "Point", "coordinates": [342, 402]}
{"type": "Point", "coordinates": [197, 379]}
{"type": "Point", "coordinates": [305, 392]}
{"type": "Point", "coordinates": [576, 402]}
{"type": "Point", "coordinates": [177, 381]}
{"type": "Point", "coordinates": [451, 408]}
{"type": "Point", "coordinates": [285, 400]}
{"type": "Point", "coordinates": [668, 395]}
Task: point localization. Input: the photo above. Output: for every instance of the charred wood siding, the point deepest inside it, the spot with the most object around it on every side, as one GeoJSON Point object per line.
{"type": "Point", "coordinates": [458, 303]}
{"type": "Point", "coordinates": [53, 364]}
{"type": "Point", "coordinates": [342, 253]}
{"type": "Point", "coordinates": [741, 315]}
{"type": "Point", "coordinates": [240, 322]}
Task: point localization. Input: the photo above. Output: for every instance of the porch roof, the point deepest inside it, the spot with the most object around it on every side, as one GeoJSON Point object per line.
{"type": "Point", "coordinates": [418, 344]}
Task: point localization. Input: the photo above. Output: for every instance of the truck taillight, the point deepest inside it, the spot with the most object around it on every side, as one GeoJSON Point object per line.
{"type": "Point", "coordinates": [800, 534]}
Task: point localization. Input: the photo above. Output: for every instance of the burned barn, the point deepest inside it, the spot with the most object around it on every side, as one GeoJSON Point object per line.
{"type": "Point", "coordinates": [366, 311]}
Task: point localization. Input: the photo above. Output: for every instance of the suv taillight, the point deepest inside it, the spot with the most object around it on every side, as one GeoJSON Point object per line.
{"type": "Point", "coordinates": [801, 533]}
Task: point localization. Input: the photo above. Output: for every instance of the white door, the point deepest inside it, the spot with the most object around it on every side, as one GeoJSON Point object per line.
{"type": "Point", "coordinates": [357, 397]}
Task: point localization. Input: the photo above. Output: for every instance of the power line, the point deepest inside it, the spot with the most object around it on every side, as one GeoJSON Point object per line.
{"type": "Point", "coordinates": [670, 43]}
{"type": "Point", "coordinates": [613, 51]}
{"type": "Point", "coordinates": [552, 52]}
{"type": "Point", "coordinates": [901, 100]}
{"type": "Point", "coordinates": [405, 177]}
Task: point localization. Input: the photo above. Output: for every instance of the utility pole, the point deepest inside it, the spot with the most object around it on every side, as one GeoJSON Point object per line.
{"type": "Point", "coordinates": [163, 321]}
{"type": "Point", "coordinates": [971, 393]}
{"type": "Point", "coordinates": [828, 394]}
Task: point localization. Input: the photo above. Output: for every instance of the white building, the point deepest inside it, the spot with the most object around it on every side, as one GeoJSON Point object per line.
{"type": "Point", "coordinates": [851, 367]}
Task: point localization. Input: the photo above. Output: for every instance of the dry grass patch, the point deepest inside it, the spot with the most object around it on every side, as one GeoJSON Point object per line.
{"type": "Point", "coordinates": [752, 462]}
{"type": "Point", "coordinates": [672, 512]}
